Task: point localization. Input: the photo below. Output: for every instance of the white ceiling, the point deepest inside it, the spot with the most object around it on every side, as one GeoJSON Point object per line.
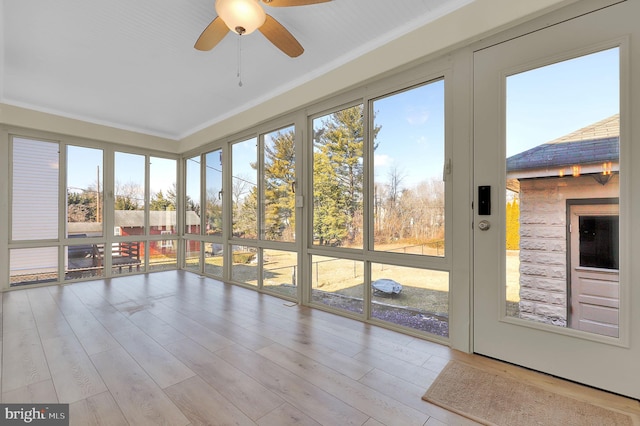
{"type": "Point", "coordinates": [131, 64]}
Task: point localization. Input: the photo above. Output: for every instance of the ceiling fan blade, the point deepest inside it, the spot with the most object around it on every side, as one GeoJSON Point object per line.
{"type": "Point", "coordinates": [212, 35]}
{"type": "Point", "coordinates": [280, 37]}
{"type": "Point", "coordinates": [287, 3]}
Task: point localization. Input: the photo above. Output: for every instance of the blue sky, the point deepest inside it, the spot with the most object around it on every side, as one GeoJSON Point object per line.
{"type": "Point", "coordinates": [244, 154]}
{"type": "Point", "coordinates": [83, 168]}
{"type": "Point", "coordinates": [163, 172]}
{"type": "Point", "coordinates": [83, 172]}
{"type": "Point", "coordinates": [193, 179]}
{"type": "Point", "coordinates": [411, 137]}
{"type": "Point", "coordinates": [549, 102]}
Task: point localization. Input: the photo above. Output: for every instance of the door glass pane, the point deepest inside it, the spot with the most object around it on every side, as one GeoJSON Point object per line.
{"type": "Point", "coordinates": [411, 297]}
{"type": "Point", "coordinates": [192, 197]}
{"type": "Point", "coordinates": [129, 194]}
{"type": "Point", "coordinates": [279, 181]}
{"type": "Point", "coordinates": [33, 265]}
{"type": "Point", "coordinates": [338, 178]}
{"type": "Point", "coordinates": [562, 144]}
{"type": "Point", "coordinates": [244, 189]}
{"type": "Point", "coordinates": [408, 152]}
{"type": "Point", "coordinates": [34, 190]}
{"type": "Point", "coordinates": [598, 244]}
{"type": "Point", "coordinates": [213, 176]}
{"type": "Point", "coordinates": [85, 190]}
{"type": "Point", "coordinates": [338, 283]}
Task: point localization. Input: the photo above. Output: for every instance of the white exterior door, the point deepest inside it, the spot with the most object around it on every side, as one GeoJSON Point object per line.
{"type": "Point", "coordinates": [522, 264]}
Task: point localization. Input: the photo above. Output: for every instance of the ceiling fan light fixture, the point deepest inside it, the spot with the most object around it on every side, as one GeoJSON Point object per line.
{"type": "Point", "coordinates": [241, 16]}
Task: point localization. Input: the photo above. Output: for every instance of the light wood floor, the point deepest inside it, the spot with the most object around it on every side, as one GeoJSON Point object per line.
{"type": "Point", "coordinates": [173, 348]}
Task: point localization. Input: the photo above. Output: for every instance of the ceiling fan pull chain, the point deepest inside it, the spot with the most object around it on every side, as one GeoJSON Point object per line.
{"type": "Point", "coordinates": [239, 63]}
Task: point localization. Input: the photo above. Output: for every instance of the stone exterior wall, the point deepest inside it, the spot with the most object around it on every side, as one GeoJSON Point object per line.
{"type": "Point", "coordinates": [543, 242]}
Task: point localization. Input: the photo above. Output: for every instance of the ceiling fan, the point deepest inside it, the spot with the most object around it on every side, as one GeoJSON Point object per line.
{"type": "Point", "coordinates": [245, 16]}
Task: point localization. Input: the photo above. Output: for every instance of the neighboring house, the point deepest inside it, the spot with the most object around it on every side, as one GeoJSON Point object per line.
{"type": "Point", "coordinates": [131, 223]}
{"type": "Point", "coordinates": [569, 191]}
{"type": "Point", "coordinates": [88, 229]}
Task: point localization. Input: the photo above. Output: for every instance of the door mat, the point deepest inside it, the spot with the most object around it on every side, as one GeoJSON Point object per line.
{"type": "Point", "coordinates": [496, 400]}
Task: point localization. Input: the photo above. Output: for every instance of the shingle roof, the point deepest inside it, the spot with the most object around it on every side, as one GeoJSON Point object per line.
{"type": "Point", "coordinates": [607, 128]}
{"type": "Point", "coordinates": [593, 144]}
{"type": "Point", "coordinates": [134, 219]}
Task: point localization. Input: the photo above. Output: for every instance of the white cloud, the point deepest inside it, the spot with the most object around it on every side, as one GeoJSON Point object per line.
{"type": "Point", "coordinates": [416, 116]}
{"type": "Point", "coordinates": [381, 160]}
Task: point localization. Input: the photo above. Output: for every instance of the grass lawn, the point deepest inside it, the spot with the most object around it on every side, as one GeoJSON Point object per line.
{"type": "Point", "coordinates": [423, 289]}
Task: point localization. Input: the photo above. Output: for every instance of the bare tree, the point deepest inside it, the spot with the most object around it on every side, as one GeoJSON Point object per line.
{"type": "Point", "coordinates": [396, 176]}
{"type": "Point", "coordinates": [129, 196]}
{"type": "Point", "coordinates": [240, 187]}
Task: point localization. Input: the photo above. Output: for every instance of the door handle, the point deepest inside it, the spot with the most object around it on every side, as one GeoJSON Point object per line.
{"type": "Point", "coordinates": [484, 225]}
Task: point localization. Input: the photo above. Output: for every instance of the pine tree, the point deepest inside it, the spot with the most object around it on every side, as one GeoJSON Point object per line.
{"type": "Point", "coordinates": [279, 174]}
{"type": "Point", "coordinates": [160, 203]}
{"type": "Point", "coordinates": [81, 206]}
{"type": "Point", "coordinates": [338, 173]}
